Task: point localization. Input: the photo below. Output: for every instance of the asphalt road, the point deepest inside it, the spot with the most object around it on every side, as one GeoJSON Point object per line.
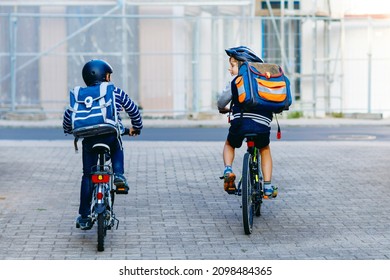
{"type": "Point", "coordinates": [290, 133]}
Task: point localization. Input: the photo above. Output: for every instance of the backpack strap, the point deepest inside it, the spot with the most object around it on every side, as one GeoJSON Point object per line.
{"type": "Point", "coordinates": [76, 148]}
{"type": "Point", "coordinates": [279, 133]}
{"type": "Point", "coordinates": [235, 99]}
{"type": "Point", "coordinates": [73, 110]}
{"type": "Point", "coordinates": [75, 93]}
{"type": "Point", "coordinates": [104, 88]}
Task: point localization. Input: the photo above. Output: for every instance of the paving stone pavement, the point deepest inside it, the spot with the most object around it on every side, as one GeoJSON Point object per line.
{"type": "Point", "coordinates": [333, 203]}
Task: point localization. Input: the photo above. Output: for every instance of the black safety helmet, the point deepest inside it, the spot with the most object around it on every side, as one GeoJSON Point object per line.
{"type": "Point", "coordinates": [243, 53]}
{"type": "Point", "coordinates": [94, 71]}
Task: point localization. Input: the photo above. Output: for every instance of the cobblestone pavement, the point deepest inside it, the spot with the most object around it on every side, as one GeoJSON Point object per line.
{"type": "Point", "coordinates": [333, 203]}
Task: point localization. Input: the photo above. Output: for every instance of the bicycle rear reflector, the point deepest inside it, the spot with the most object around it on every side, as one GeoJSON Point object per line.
{"type": "Point", "coordinates": [250, 144]}
{"type": "Point", "coordinates": [100, 178]}
{"type": "Point", "coordinates": [99, 196]}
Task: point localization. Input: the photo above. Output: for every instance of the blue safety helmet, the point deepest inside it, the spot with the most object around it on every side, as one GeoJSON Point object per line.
{"type": "Point", "coordinates": [243, 53]}
{"type": "Point", "coordinates": [94, 71]}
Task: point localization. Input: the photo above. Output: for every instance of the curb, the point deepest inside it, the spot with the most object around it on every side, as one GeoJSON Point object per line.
{"type": "Point", "coordinates": [181, 123]}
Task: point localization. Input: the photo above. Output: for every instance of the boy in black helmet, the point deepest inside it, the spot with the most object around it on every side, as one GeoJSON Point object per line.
{"type": "Point", "coordinates": [94, 73]}
{"type": "Point", "coordinates": [258, 122]}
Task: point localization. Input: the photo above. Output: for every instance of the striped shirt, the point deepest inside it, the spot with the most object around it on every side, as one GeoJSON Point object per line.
{"type": "Point", "coordinates": [122, 102]}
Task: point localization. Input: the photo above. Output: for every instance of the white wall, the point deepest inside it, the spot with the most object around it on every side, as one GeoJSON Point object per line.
{"type": "Point", "coordinates": [348, 73]}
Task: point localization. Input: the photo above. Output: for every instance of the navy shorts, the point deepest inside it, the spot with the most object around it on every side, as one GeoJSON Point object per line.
{"type": "Point", "coordinates": [236, 138]}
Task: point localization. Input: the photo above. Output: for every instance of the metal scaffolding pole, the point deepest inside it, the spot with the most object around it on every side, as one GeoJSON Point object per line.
{"type": "Point", "coordinates": [369, 62]}
{"type": "Point", "coordinates": [314, 69]}
{"type": "Point", "coordinates": [124, 48]}
{"type": "Point", "coordinates": [279, 37]}
{"type": "Point", "coordinates": [52, 48]}
{"type": "Point", "coordinates": [13, 25]}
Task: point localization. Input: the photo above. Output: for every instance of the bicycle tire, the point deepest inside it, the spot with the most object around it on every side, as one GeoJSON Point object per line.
{"type": "Point", "coordinates": [259, 187]}
{"type": "Point", "coordinates": [258, 209]}
{"type": "Point", "coordinates": [101, 232]}
{"type": "Point", "coordinates": [247, 205]}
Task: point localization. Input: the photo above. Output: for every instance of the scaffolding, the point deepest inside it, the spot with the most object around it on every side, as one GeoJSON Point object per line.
{"type": "Point", "coordinates": [169, 55]}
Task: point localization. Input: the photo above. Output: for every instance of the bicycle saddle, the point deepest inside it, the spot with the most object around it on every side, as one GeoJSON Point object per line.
{"type": "Point", "coordinates": [250, 135]}
{"type": "Point", "coordinates": [101, 148]}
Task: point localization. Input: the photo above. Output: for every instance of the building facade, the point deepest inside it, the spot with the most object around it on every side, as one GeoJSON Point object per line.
{"type": "Point", "coordinates": [169, 55]}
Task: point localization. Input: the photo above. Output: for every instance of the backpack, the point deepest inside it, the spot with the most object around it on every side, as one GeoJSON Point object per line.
{"type": "Point", "coordinates": [93, 110]}
{"type": "Point", "coordinates": [262, 86]}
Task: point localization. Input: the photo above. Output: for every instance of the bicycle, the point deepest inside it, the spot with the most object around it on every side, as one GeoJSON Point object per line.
{"type": "Point", "coordinates": [103, 195]}
{"type": "Point", "coordinates": [250, 186]}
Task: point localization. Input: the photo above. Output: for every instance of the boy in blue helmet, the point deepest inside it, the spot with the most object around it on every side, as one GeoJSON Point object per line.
{"type": "Point", "coordinates": [258, 122]}
{"type": "Point", "coordinates": [94, 73]}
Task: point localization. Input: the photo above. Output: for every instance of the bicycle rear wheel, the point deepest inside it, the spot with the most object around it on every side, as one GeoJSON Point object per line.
{"type": "Point", "coordinates": [247, 188]}
{"type": "Point", "coordinates": [101, 232]}
{"type": "Point", "coordinates": [258, 186]}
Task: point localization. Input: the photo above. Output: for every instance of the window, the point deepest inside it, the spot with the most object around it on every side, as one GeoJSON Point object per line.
{"type": "Point", "coordinates": [271, 48]}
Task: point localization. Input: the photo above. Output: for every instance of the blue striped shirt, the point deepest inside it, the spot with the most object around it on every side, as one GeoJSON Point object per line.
{"type": "Point", "coordinates": [122, 102]}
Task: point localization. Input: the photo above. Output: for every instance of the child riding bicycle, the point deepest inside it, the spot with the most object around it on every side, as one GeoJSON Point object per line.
{"type": "Point", "coordinates": [94, 73]}
{"type": "Point", "coordinates": [244, 122]}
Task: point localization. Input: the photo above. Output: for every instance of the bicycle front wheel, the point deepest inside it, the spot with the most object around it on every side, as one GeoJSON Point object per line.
{"type": "Point", "coordinates": [247, 188]}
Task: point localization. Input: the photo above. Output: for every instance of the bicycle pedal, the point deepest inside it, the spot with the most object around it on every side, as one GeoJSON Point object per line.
{"type": "Point", "coordinates": [117, 223]}
{"type": "Point", "coordinates": [122, 190]}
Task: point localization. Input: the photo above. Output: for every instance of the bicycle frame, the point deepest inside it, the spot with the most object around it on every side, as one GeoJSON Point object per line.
{"type": "Point", "coordinates": [254, 152]}
{"type": "Point", "coordinates": [256, 168]}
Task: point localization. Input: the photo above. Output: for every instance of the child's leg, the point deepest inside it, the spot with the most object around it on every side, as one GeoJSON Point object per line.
{"type": "Point", "coordinates": [89, 159]}
{"type": "Point", "coordinates": [229, 177]}
{"type": "Point", "coordinates": [266, 167]}
{"type": "Point", "coordinates": [228, 154]}
{"type": "Point", "coordinates": [117, 159]}
{"type": "Point", "coordinates": [266, 163]}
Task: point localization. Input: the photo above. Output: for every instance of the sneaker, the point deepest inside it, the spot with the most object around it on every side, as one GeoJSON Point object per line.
{"type": "Point", "coordinates": [270, 191]}
{"type": "Point", "coordinates": [228, 182]}
{"type": "Point", "coordinates": [84, 223]}
{"type": "Point", "coordinates": [121, 184]}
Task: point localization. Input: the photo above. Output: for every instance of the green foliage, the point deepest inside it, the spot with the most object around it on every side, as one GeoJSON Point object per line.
{"type": "Point", "coordinates": [295, 115]}
{"type": "Point", "coordinates": [337, 115]}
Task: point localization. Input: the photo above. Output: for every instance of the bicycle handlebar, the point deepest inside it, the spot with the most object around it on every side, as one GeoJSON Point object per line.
{"type": "Point", "coordinates": [126, 131]}
{"type": "Point", "coordinates": [133, 133]}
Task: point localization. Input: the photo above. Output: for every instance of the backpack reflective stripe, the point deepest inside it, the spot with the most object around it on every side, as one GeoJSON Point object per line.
{"type": "Point", "coordinates": [240, 89]}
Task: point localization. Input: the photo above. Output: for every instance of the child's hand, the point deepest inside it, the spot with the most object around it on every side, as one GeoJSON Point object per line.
{"type": "Point", "coordinates": [134, 132]}
{"type": "Point", "coordinates": [224, 110]}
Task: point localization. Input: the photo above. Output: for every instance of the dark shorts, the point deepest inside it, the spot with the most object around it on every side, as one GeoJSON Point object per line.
{"type": "Point", "coordinates": [236, 138]}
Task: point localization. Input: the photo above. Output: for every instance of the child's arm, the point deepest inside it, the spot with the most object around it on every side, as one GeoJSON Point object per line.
{"type": "Point", "coordinates": [66, 122]}
{"type": "Point", "coordinates": [130, 108]}
{"type": "Point", "coordinates": [224, 99]}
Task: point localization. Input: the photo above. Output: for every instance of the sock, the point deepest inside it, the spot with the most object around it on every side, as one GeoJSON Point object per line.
{"type": "Point", "coordinates": [228, 169]}
{"type": "Point", "coordinates": [267, 185]}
